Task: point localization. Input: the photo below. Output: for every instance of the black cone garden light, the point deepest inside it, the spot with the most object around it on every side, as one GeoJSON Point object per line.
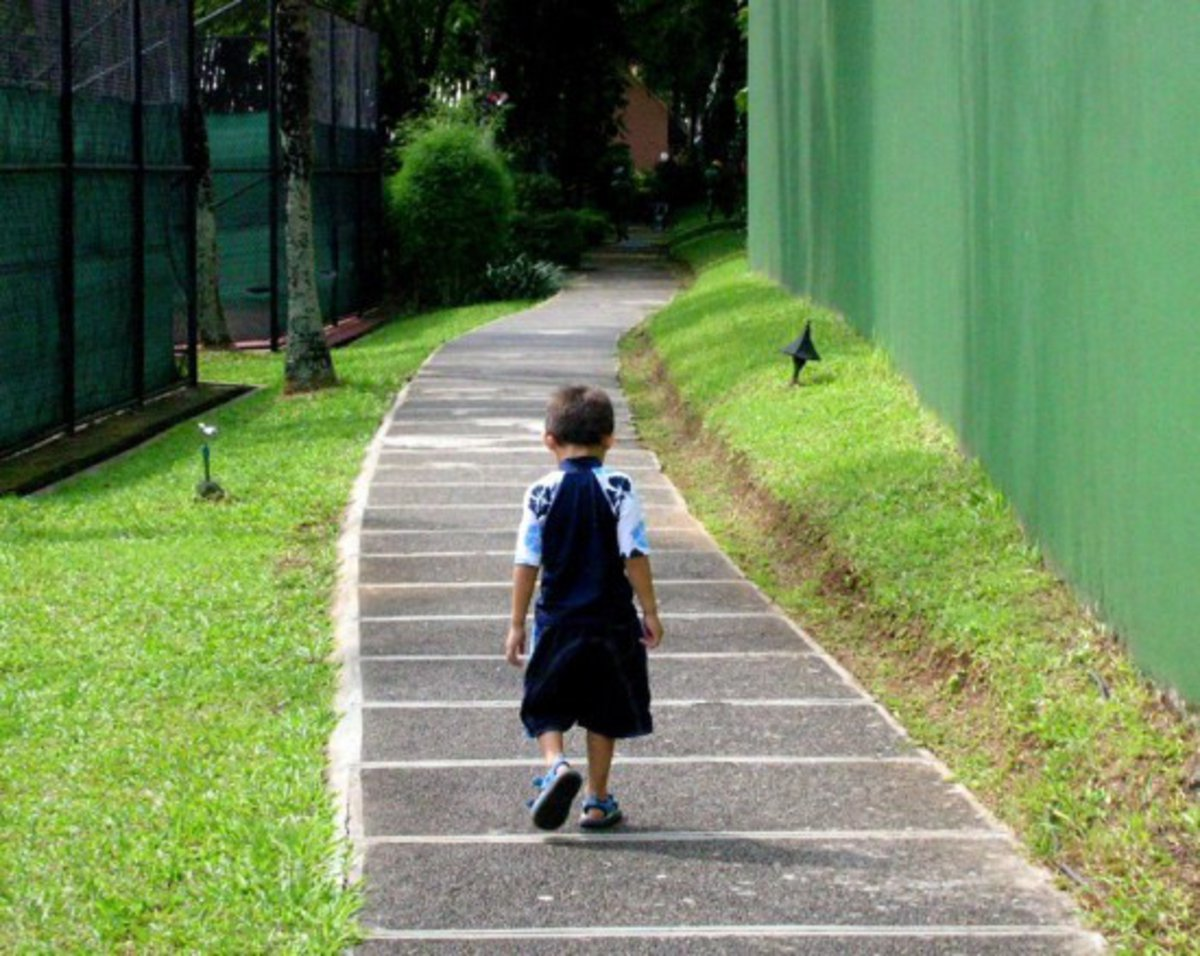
{"type": "Point", "coordinates": [802, 351]}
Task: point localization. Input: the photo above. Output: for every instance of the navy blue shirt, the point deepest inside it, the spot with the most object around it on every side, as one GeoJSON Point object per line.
{"type": "Point", "coordinates": [579, 525]}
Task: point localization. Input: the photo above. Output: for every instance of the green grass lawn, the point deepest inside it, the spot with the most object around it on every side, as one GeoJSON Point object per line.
{"type": "Point", "coordinates": [693, 221]}
{"type": "Point", "coordinates": [851, 505]}
{"type": "Point", "coordinates": [165, 691]}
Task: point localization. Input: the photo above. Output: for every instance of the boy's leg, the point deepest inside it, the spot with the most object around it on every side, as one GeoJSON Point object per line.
{"type": "Point", "coordinates": [552, 805]}
{"type": "Point", "coordinates": [600, 750]}
{"type": "Point", "coordinates": [551, 745]}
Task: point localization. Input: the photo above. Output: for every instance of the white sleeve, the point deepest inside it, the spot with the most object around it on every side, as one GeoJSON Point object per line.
{"type": "Point", "coordinates": [533, 516]}
{"type": "Point", "coordinates": [631, 525]}
{"type": "Point", "coordinates": [529, 541]}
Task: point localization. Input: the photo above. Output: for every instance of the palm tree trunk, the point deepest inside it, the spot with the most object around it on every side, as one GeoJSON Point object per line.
{"type": "Point", "coordinates": [214, 330]}
{"type": "Point", "coordinates": [308, 364]}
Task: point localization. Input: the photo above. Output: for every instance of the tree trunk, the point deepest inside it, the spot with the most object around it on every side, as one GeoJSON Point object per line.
{"type": "Point", "coordinates": [214, 330]}
{"type": "Point", "coordinates": [433, 52]}
{"type": "Point", "coordinates": [309, 365]}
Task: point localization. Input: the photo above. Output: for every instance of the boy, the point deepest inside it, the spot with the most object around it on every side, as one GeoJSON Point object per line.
{"type": "Point", "coordinates": [583, 528]}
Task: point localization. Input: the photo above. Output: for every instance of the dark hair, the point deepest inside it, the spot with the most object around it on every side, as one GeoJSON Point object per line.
{"type": "Point", "coordinates": [579, 415]}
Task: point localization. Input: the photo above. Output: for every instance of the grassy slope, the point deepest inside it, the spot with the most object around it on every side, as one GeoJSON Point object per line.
{"type": "Point", "coordinates": [165, 696]}
{"type": "Point", "coordinates": [851, 505]}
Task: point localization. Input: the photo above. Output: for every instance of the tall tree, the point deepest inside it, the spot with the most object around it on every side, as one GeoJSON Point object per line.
{"type": "Point", "coordinates": [692, 53]}
{"type": "Point", "coordinates": [423, 45]}
{"type": "Point", "coordinates": [562, 64]}
{"type": "Point", "coordinates": [309, 364]}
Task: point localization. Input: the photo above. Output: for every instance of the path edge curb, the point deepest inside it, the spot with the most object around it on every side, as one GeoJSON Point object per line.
{"type": "Point", "coordinates": [344, 747]}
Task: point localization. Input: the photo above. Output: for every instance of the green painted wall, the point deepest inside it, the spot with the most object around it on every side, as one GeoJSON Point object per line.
{"type": "Point", "coordinates": [1006, 195]}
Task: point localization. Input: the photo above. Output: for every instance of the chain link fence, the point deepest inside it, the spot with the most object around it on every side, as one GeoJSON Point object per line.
{"type": "Point", "coordinates": [237, 89]}
{"type": "Point", "coordinates": [95, 260]}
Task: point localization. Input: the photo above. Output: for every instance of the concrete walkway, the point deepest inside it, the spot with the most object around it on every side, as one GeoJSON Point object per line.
{"type": "Point", "coordinates": [777, 808]}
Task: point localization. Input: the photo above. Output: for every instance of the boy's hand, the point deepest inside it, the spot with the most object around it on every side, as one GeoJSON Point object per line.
{"type": "Point", "coordinates": [524, 580]}
{"type": "Point", "coordinates": [652, 630]}
{"type": "Point", "coordinates": [514, 644]}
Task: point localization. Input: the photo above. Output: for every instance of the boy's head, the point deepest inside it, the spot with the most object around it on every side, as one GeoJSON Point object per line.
{"type": "Point", "coordinates": [580, 415]}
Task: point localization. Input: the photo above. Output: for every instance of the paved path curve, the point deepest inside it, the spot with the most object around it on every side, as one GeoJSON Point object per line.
{"type": "Point", "coordinates": [777, 808]}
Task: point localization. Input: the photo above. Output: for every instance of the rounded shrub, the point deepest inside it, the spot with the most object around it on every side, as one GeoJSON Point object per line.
{"type": "Point", "coordinates": [596, 225]}
{"type": "Point", "coordinates": [450, 207]}
{"type": "Point", "coordinates": [554, 236]}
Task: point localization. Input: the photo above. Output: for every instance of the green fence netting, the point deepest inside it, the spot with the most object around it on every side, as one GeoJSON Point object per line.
{"type": "Point", "coordinates": [1004, 194]}
{"type": "Point", "coordinates": [70, 212]}
{"type": "Point", "coordinates": [347, 192]}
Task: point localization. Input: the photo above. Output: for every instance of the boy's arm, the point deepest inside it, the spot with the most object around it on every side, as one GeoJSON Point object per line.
{"type": "Point", "coordinates": [526, 563]}
{"type": "Point", "coordinates": [634, 547]}
{"type": "Point", "coordinates": [637, 569]}
{"type": "Point", "coordinates": [524, 581]}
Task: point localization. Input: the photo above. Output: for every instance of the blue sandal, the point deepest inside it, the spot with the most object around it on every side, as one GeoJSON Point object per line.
{"type": "Point", "coordinates": [608, 806]}
{"type": "Point", "coordinates": [551, 807]}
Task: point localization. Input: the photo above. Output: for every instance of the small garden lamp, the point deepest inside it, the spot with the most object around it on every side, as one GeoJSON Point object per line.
{"type": "Point", "coordinates": [802, 350]}
{"type": "Point", "coordinates": [208, 489]}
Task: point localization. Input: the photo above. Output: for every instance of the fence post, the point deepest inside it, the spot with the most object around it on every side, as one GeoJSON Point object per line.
{"type": "Point", "coordinates": [360, 260]}
{"type": "Point", "coordinates": [192, 191]}
{"type": "Point", "coordinates": [137, 318]}
{"type": "Point", "coordinates": [334, 172]}
{"type": "Point", "coordinates": [66, 312]}
{"type": "Point", "coordinates": [377, 198]}
{"type": "Point", "coordinates": [273, 162]}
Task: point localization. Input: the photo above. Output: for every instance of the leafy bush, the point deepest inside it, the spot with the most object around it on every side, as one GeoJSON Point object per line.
{"type": "Point", "coordinates": [556, 236]}
{"type": "Point", "coordinates": [538, 192]}
{"type": "Point", "coordinates": [449, 208]}
{"type": "Point", "coordinates": [544, 229]}
{"type": "Point", "coordinates": [523, 278]}
{"type": "Point", "coordinates": [595, 224]}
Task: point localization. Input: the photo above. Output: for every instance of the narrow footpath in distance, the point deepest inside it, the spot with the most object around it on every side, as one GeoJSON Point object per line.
{"type": "Point", "coordinates": [777, 807]}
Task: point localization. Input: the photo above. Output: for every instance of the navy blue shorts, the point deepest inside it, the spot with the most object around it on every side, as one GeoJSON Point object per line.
{"type": "Point", "coordinates": [592, 676]}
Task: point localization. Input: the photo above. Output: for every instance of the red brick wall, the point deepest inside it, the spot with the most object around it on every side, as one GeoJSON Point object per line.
{"type": "Point", "coordinates": [644, 121]}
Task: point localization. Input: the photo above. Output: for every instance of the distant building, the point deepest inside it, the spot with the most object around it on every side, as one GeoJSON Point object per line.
{"type": "Point", "coordinates": [644, 124]}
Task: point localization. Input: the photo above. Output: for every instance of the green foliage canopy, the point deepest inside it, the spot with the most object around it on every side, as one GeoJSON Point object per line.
{"type": "Point", "coordinates": [562, 64]}
{"type": "Point", "coordinates": [424, 46]}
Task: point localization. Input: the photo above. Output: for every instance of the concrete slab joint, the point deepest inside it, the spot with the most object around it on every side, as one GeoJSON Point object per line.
{"type": "Point", "coordinates": [777, 803]}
